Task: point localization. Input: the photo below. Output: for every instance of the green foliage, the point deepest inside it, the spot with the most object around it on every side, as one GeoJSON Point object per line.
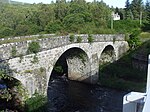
{"type": "Point", "coordinates": [58, 69]}
{"type": "Point", "coordinates": [5, 32]}
{"type": "Point", "coordinates": [70, 17]}
{"type": "Point", "coordinates": [33, 47]}
{"type": "Point", "coordinates": [5, 95]}
{"type": "Point", "coordinates": [136, 8]}
{"type": "Point", "coordinates": [134, 40]}
{"type": "Point", "coordinates": [79, 39]}
{"type": "Point", "coordinates": [28, 71]}
{"type": "Point", "coordinates": [36, 103]}
{"type": "Point", "coordinates": [53, 27]}
{"type": "Point", "coordinates": [82, 56]}
{"type": "Point", "coordinates": [4, 76]}
{"type": "Point", "coordinates": [122, 75]}
{"type": "Point", "coordinates": [121, 84]}
{"type": "Point", "coordinates": [126, 26]}
{"type": "Point", "coordinates": [145, 35]}
{"type": "Point", "coordinates": [71, 38]}
{"type": "Point", "coordinates": [40, 36]}
{"type": "Point", "coordinates": [13, 52]}
{"type": "Point", "coordinates": [13, 93]}
{"type": "Point", "coordinates": [90, 38]}
{"type": "Point", "coordinates": [127, 10]}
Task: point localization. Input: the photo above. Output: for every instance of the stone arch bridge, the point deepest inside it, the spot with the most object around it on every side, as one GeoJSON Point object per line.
{"type": "Point", "coordinates": [81, 60]}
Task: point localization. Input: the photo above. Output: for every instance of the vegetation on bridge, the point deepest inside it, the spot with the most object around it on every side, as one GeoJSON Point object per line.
{"type": "Point", "coordinates": [11, 93]}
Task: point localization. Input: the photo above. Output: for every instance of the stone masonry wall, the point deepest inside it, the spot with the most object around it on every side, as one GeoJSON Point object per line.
{"type": "Point", "coordinates": [35, 75]}
{"type": "Point", "coordinates": [52, 42]}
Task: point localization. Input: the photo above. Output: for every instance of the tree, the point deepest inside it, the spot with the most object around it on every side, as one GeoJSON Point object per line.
{"type": "Point", "coordinates": [136, 9]}
{"type": "Point", "coordinates": [127, 10]}
{"type": "Point", "coordinates": [147, 17]}
{"type": "Point", "coordinates": [60, 9]}
{"type": "Point", "coordinates": [117, 10]}
{"type": "Point", "coordinates": [147, 10]}
{"type": "Point", "coordinates": [53, 27]}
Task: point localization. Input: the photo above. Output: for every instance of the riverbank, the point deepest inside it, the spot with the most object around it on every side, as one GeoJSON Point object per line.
{"type": "Point", "coordinates": [129, 72]}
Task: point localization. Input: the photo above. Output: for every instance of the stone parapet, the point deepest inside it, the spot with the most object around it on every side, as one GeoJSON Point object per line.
{"type": "Point", "coordinates": [52, 42]}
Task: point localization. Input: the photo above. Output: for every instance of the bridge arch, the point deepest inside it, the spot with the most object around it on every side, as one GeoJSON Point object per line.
{"type": "Point", "coordinates": [69, 57]}
{"type": "Point", "coordinates": [108, 55]}
{"type": "Point", "coordinates": [39, 73]}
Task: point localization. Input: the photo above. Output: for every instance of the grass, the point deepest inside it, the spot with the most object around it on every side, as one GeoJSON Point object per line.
{"type": "Point", "coordinates": [145, 35]}
{"type": "Point", "coordinates": [121, 84]}
{"type": "Point", "coordinates": [122, 75]}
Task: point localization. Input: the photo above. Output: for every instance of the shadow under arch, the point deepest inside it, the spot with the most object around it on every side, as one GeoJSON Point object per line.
{"type": "Point", "coordinates": [58, 84]}
{"type": "Point", "coordinates": [11, 89]}
{"type": "Point", "coordinates": [61, 66]}
{"type": "Point", "coordinates": [108, 55]}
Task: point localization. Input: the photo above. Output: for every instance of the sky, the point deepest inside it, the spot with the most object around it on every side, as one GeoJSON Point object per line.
{"type": "Point", "coordinates": [114, 3]}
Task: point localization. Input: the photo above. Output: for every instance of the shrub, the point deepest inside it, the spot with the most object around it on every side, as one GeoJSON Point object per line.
{"type": "Point", "coordinates": [90, 38]}
{"type": "Point", "coordinates": [126, 26]}
{"type": "Point", "coordinates": [36, 103]}
{"type": "Point", "coordinates": [13, 52]}
{"type": "Point", "coordinates": [58, 69]}
{"type": "Point", "coordinates": [41, 36]}
{"type": "Point", "coordinates": [34, 47]}
{"type": "Point", "coordinates": [28, 71]}
{"type": "Point", "coordinates": [71, 38]}
{"type": "Point", "coordinates": [134, 40]}
{"type": "Point", "coordinates": [79, 39]}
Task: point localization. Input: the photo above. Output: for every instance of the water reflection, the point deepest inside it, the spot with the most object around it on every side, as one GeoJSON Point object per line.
{"type": "Point", "coordinates": [71, 96]}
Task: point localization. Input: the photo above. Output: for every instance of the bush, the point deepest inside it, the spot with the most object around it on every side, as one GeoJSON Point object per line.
{"type": "Point", "coordinates": [58, 69]}
{"type": "Point", "coordinates": [36, 103]}
{"type": "Point", "coordinates": [79, 39]}
{"type": "Point", "coordinates": [90, 38]}
{"type": "Point", "coordinates": [34, 47]}
{"type": "Point", "coordinates": [134, 40]}
{"type": "Point", "coordinates": [71, 38]}
{"type": "Point", "coordinates": [53, 27]}
{"type": "Point", "coordinates": [126, 26]}
{"type": "Point", "coordinates": [13, 52]}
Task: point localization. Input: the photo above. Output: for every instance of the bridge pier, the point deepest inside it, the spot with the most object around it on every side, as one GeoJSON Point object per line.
{"type": "Point", "coordinates": [85, 70]}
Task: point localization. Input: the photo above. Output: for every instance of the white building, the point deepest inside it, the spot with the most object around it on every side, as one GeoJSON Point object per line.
{"type": "Point", "coordinates": [115, 16]}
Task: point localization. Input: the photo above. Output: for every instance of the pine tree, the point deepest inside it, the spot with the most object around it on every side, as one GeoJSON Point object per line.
{"type": "Point", "coordinates": [136, 9]}
{"type": "Point", "coordinates": [128, 14]}
{"type": "Point", "coordinates": [147, 10]}
{"type": "Point", "coordinates": [147, 17]}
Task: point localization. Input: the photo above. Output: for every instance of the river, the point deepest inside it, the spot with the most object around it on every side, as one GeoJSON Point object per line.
{"type": "Point", "coordinates": [72, 96]}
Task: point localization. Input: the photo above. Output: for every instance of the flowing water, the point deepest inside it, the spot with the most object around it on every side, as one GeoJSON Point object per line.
{"type": "Point", "coordinates": [71, 96]}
